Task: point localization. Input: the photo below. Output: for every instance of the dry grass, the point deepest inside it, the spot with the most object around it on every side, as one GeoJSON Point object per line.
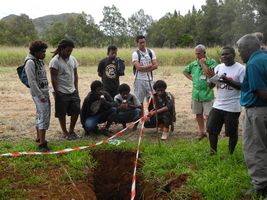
{"type": "Point", "coordinates": [18, 112]}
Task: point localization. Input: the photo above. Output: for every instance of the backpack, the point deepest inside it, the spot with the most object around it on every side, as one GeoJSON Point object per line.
{"type": "Point", "coordinates": [139, 58]}
{"type": "Point", "coordinates": [22, 73]}
{"type": "Point", "coordinates": [120, 66]}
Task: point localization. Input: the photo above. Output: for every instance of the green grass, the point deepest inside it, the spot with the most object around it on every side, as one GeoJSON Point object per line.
{"type": "Point", "coordinates": [14, 56]}
{"type": "Point", "coordinates": [216, 177]}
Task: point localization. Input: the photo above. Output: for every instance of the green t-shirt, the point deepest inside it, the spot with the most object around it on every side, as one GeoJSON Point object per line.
{"type": "Point", "coordinates": [201, 90]}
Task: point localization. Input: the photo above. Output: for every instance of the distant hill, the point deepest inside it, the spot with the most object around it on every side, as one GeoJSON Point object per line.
{"type": "Point", "coordinates": [42, 24]}
{"type": "Point", "coordinates": [9, 17]}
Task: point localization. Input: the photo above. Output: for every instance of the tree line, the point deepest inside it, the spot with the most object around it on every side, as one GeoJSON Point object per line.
{"type": "Point", "coordinates": [218, 22]}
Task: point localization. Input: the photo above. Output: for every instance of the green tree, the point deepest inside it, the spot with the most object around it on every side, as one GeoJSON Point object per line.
{"type": "Point", "coordinates": [114, 25]}
{"type": "Point", "coordinates": [166, 32]}
{"type": "Point", "coordinates": [20, 30]}
{"type": "Point", "coordinates": [208, 22]}
{"type": "Point", "coordinates": [139, 23]}
{"type": "Point", "coordinates": [56, 33]}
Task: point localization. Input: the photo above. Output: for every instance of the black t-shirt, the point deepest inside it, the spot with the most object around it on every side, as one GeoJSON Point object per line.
{"type": "Point", "coordinates": [107, 70]}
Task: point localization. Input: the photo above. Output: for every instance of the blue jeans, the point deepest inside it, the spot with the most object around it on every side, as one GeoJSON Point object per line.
{"type": "Point", "coordinates": [128, 116]}
{"type": "Point", "coordinates": [91, 122]}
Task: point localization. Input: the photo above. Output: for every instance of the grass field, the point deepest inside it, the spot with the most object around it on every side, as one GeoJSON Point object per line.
{"type": "Point", "coordinates": [66, 176]}
{"type": "Point", "coordinates": [13, 56]}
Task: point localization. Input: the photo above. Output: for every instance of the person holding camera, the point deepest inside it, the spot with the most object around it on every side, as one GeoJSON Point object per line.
{"type": "Point", "coordinates": [110, 69]}
{"type": "Point", "coordinates": [98, 107]}
{"type": "Point", "coordinates": [129, 107]}
{"type": "Point", "coordinates": [226, 108]}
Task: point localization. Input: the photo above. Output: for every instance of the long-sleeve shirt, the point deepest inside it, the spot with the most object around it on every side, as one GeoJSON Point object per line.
{"type": "Point", "coordinates": [37, 78]}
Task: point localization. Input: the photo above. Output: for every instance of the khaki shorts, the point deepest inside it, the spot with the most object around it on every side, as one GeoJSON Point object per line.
{"type": "Point", "coordinates": [199, 107]}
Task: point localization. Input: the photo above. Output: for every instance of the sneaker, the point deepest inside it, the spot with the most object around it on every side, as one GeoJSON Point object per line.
{"type": "Point", "coordinates": [106, 132]}
{"type": "Point", "coordinates": [43, 147]}
{"type": "Point", "coordinates": [165, 135]}
{"type": "Point", "coordinates": [74, 136]}
{"type": "Point", "coordinates": [262, 192]}
{"type": "Point", "coordinates": [201, 136]}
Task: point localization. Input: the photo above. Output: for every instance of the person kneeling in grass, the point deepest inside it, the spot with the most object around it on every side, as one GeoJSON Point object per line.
{"type": "Point", "coordinates": [98, 107]}
{"type": "Point", "coordinates": [164, 108]}
{"type": "Point", "coordinates": [129, 107]}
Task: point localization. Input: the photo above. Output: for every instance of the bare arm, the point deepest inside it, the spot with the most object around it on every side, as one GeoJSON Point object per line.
{"type": "Point", "coordinates": [187, 75]}
{"type": "Point", "coordinates": [146, 68]}
{"type": "Point", "coordinates": [232, 83]}
{"type": "Point", "coordinates": [204, 67]}
{"type": "Point", "coordinates": [76, 79]}
{"type": "Point", "coordinates": [54, 73]}
{"type": "Point", "coordinates": [163, 109]}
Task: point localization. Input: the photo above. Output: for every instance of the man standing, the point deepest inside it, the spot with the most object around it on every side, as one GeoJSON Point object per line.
{"type": "Point", "coordinates": [109, 70]}
{"type": "Point", "coordinates": [145, 62]}
{"type": "Point", "coordinates": [37, 79]}
{"type": "Point", "coordinates": [198, 72]}
{"type": "Point", "coordinates": [226, 108]}
{"type": "Point", "coordinates": [254, 99]}
{"type": "Point", "coordinates": [64, 78]}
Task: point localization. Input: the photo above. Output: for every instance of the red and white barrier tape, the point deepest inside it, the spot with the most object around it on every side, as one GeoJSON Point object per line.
{"type": "Point", "coordinates": [133, 190]}
{"type": "Point", "coordinates": [15, 154]}
{"type": "Point", "coordinates": [143, 119]}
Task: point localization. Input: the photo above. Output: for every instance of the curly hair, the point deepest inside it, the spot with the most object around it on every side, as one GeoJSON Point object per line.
{"type": "Point", "coordinates": [37, 46]}
{"type": "Point", "coordinates": [96, 84]}
{"type": "Point", "coordinates": [160, 84]}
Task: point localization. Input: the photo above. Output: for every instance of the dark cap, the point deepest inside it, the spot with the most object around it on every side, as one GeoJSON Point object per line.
{"type": "Point", "coordinates": [66, 43]}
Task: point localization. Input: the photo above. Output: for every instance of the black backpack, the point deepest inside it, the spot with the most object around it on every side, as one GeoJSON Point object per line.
{"type": "Point", "coordinates": [120, 66]}
{"type": "Point", "coordinates": [139, 58]}
{"type": "Point", "coordinates": [22, 73]}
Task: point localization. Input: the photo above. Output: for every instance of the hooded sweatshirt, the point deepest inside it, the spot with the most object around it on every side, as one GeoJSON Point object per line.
{"type": "Point", "coordinates": [37, 78]}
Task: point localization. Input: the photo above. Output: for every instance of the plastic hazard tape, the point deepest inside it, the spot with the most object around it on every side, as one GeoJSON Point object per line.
{"type": "Point", "coordinates": [15, 154]}
{"type": "Point", "coordinates": [133, 190]}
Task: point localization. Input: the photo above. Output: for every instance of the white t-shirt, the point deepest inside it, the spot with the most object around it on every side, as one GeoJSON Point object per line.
{"type": "Point", "coordinates": [65, 77]}
{"type": "Point", "coordinates": [227, 97]}
{"type": "Point", "coordinates": [144, 60]}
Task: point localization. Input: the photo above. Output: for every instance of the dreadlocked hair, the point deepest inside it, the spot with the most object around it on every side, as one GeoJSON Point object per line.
{"type": "Point", "coordinates": [63, 44]}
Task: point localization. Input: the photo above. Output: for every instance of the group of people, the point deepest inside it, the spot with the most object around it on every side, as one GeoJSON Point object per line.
{"type": "Point", "coordinates": [109, 101]}
{"type": "Point", "coordinates": [237, 85]}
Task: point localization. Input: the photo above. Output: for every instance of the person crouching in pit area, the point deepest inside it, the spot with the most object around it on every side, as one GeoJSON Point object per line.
{"type": "Point", "coordinates": [164, 108]}
{"type": "Point", "coordinates": [98, 107]}
{"type": "Point", "coordinates": [129, 107]}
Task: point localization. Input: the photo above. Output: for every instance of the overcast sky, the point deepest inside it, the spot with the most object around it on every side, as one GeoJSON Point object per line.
{"type": "Point", "coordinates": [39, 8]}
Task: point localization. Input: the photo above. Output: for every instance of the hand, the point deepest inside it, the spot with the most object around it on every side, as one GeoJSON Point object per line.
{"type": "Point", "coordinates": [224, 79]}
{"type": "Point", "coordinates": [43, 100]}
{"type": "Point", "coordinates": [202, 61]}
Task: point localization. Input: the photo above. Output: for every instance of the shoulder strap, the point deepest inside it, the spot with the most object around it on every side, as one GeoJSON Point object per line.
{"type": "Point", "coordinates": [150, 53]}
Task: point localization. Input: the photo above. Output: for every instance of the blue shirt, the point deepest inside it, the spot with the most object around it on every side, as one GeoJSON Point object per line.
{"type": "Point", "coordinates": [255, 79]}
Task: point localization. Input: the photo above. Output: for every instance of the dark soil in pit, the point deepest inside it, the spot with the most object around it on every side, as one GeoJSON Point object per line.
{"type": "Point", "coordinates": [113, 175]}
{"type": "Point", "coordinates": [112, 178]}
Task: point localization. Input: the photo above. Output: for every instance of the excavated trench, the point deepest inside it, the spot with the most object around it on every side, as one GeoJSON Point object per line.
{"type": "Point", "coordinates": [112, 178]}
